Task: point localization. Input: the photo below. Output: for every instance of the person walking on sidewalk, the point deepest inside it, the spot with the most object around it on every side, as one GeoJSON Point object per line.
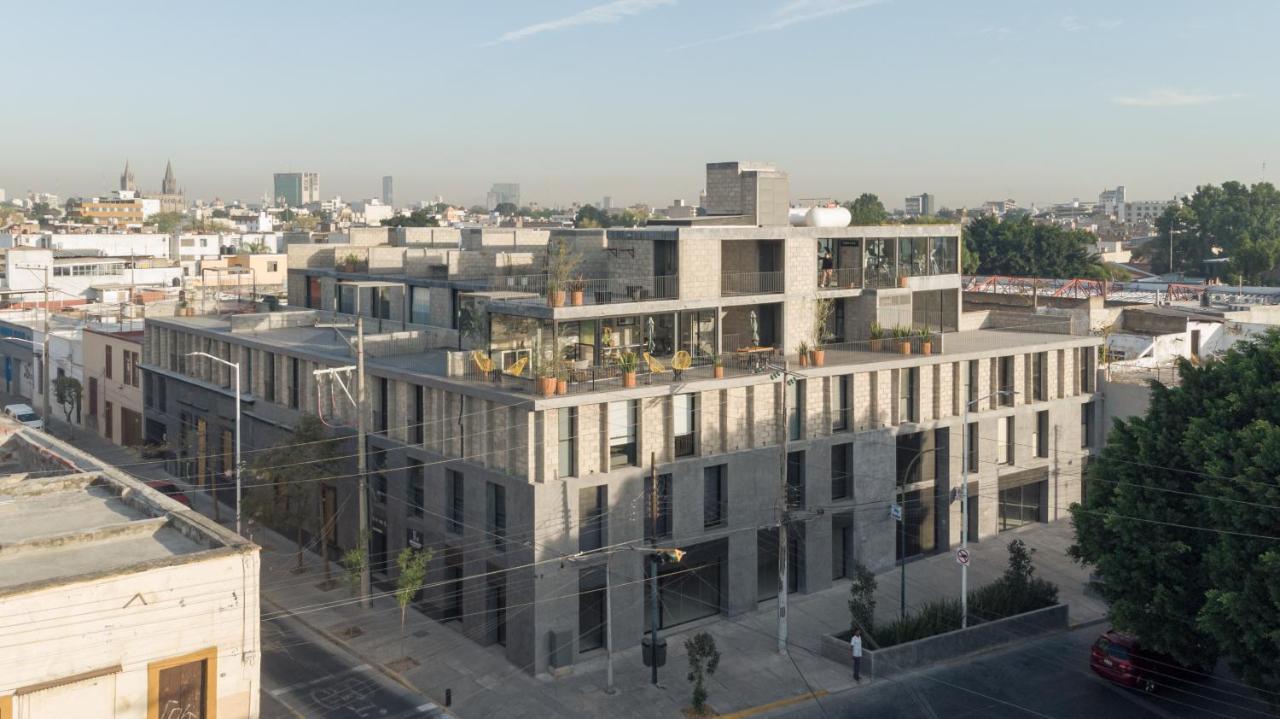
{"type": "Point", "coordinates": [855, 649]}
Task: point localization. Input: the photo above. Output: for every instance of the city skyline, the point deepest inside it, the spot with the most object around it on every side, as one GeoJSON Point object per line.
{"type": "Point", "coordinates": [894, 97]}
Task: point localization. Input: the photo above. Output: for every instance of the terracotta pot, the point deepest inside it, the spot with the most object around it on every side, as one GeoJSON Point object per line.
{"type": "Point", "coordinates": [905, 347]}
{"type": "Point", "coordinates": [576, 298]}
{"type": "Point", "coordinates": [902, 281]}
{"type": "Point", "coordinates": [877, 345]}
{"type": "Point", "coordinates": [556, 298]}
{"type": "Point", "coordinates": [926, 347]}
{"type": "Point", "coordinates": [804, 359]}
{"type": "Point", "coordinates": [818, 357]}
{"type": "Point", "coordinates": [562, 386]}
{"type": "Point", "coordinates": [718, 372]}
{"type": "Point", "coordinates": [628, 379]}
{"type": "Point", "coordinates": [548, 386]}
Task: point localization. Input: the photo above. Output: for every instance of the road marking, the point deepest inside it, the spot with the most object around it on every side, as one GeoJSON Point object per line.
{"type": "Point", "coordinates": [302, 685]}
{"type": "Point", "coordinates": [799, 698]}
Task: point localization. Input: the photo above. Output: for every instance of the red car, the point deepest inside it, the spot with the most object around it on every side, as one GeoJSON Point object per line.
{"type": "Point", "coordinates": [1120, 658]}
{"type": "Point", "coordinates": [170, 489]}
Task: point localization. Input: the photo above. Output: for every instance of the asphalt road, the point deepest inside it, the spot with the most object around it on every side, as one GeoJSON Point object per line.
{"type": "Point", "coordinates": [303, 677]}
{"type": "Point", "coordinates": [1049, 677]}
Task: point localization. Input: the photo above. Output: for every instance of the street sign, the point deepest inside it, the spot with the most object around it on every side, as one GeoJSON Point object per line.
{"type": "Point", "coordinates": [896, 512]}
{"type": "Point", "coordinates": [962, 556]}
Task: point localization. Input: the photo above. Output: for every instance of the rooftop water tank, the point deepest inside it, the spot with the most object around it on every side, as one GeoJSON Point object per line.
{"type": "Point", "coordinates": [827, 217]}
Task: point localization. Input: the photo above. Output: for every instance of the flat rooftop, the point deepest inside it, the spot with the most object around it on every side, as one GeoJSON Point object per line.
{"type": "Point", "coordinates": [64, 520]}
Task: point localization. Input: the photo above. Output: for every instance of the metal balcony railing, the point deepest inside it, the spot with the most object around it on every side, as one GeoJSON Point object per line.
{"type": "Point", "coordinates": [594, 291]}
{"type": "Point", "coordinates": [840, 278]}
{"type": "Point", "coordinates": [750, 283]}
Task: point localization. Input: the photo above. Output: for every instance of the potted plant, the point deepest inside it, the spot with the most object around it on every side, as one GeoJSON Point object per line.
{"type": "Point", "coordinates": [803, 351]}
{"type": "Point", "coordinates": [349, 263]}
{"type": "Point", "coordinates": [717, 364]}
{"type": "Point", "coordinates": [877, 337]}
{"type": "Point", "coordinates": [627, 362]}
{"type": "Point", "coordinates": [544, 372]}
{"type": "Point", "coordinates": [902, 280]}
{"type": "Point", "coordinates": [561, 263]}
{"type": "Point", "coordinates": [577, 287]}
{"type": "Point", "coordinates": [562, 381]}
{"type": "Point", "coordinates": [823, 308]}
{"type": "Point", "coordinates": [926, 341]}
{"type": "Point", "coordinates": [903, 336]}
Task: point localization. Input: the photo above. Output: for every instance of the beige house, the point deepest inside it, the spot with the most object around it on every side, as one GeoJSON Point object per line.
{"type": "Point", "coordinates": [243, 270]}
{"type": "Point", "coordinates": [112, 401]}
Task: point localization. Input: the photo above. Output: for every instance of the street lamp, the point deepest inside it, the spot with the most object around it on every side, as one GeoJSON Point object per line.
{"type": "Point", "coordinates": [964, 501]}
{"type": "Point", "coordinates": [236, 367]}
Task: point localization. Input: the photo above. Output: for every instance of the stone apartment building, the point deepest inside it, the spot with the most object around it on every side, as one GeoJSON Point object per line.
{"type": "Point", "coordinates": [468, 456]}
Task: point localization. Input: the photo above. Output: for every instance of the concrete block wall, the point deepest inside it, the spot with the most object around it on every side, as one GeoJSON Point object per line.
{"type": "Point", "coordinates": [699, 261]}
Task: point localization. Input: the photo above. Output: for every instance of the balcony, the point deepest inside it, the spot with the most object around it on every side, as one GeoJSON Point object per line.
{"type": "Point", "coordinates": [840, 278]}
{"type": "Point", "coordinates": [582, 291]}
{"type": "Point", "coordinates": [750, 283]}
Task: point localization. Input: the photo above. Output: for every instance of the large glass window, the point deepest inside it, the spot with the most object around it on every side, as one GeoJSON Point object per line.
{"type": "Point", "coordinates": [592, 504]}
{"type": "Point", "coordinates": [714, 495]}
{"type": "Point", "coordinates": [420, 305]}
{"type": "Point", "coordinates": [795, 478]}
{"type": "Point", "coordinates": [684, 421]}
{"type": "Point", "coordinates": [1021, 505]}
{"type": "Point", "coordinates": [591, 608]}
{"type": "Point", "coordinates": [496, 511]}
{"type": "Point", "coordinates": [567, 418]}
{"type": "Point", "coordinates": [415, 477]}
{"type": "Point", "coordinates": [880, 271]}
{"type": "Point", "coordinates": [453, 484]}
{"type": "Point", "coordinates": [622, 433]}
{"type": "Point", "coordinates": [841, 470]}
{"type": "Point", "coordinates": [943, 261]}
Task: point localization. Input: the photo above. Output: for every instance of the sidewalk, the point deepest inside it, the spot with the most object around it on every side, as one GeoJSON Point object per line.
{"type": "Point", "coordinates": [753, 679]}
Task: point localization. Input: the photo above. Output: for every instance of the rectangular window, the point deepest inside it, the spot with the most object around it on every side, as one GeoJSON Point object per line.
{"type": "Point", "coordinates": [1040, 376]}
{"type": "Point", "coordinates": [714, 495]}
{"type": "Point", "coordinates": [1005, 382]}
{"type": "Point", "coordinates": [909, 394]}
{"type": "Point", "coordinates": [1087, 359]}
{"type": "Point", "coordinates": [592, 605]}
{"type": "Point", "coordinates": [841, 470]}
{"type": "Point", "coordinates": [453, 479]}
{"type": "Point", "coordinates": [419, 419]}
{"type": "Point", "coordinates": [1041, 440]}
{"type": "Point", "coordinates": [496, 512]}
{"type": "Point", "coordinates": [106, 368]}
{"type": "Point", "coordinates": [294, 398]}
{"type": "Point", "coordinates": [415, 478]}
{"type": "Point", "coordinates": [973, 447]}
{"type": "Point", "coordinates": [795, 408]}
{"type": "Point", "coordinates": [1086, 425]}
{"type": "Point", "coordinates": [657, 508]}
{"type": "Point", "coordinates": [420, 305]}
{"type": "Point", "coordinates": [128, 367]}
{"type": "Point", "coordinates": [795, 479]}
{"type": "Point", "coordinates": [1005, 440]}
{"type": "Point", "coordinates": [622, 433]}
{"type": "Point", "coordinates": [383, 409]}
{"type": "Point", "coordinates": [592, 504]}
{"type": "Point", "coordinates": [567, 418]}
{"type": "Point", "coordinates": [684, 419]}
{"type": "Point", "coordinates": [840, 403]}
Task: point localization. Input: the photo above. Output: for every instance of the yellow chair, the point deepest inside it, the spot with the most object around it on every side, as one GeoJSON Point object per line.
{"type": "Point", "coordinates": [681, 362]}
{"type": "Point", "coordinates": [516, 369]}
{"type": "Point", "coordinates": [655, 366]}
{"type": "Point", "coordinates": [482, 362]}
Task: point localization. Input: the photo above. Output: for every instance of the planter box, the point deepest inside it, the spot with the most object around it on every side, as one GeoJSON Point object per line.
{"type": "Point", "coordinates": [906, 657]}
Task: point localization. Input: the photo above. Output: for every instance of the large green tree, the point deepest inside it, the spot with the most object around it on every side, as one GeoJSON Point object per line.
{"type": "Point", "coordinates": [166, 222]}
{"type": "Point", "coordinates": [1024, 248]}
{"type": "Point", "coordinates": [867, 210]}
{"type": "Point", "coordinates": [417, 218]}
{"type": "Point", "coordinates": [1238, 221]}
{"type": "Point", "coordinates": [1182, 516]}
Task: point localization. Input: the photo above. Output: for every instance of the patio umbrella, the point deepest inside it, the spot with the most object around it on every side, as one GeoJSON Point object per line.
{"type": "Point", "coordinates": [755, 328]}
{"type": "Point", "coordinates": [649, 323]}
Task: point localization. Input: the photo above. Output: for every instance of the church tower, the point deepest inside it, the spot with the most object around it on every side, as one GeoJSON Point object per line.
{"type": "Point", "coordinates": [126, 179]}
{"type": "Point", "coordinates": [169, 185]}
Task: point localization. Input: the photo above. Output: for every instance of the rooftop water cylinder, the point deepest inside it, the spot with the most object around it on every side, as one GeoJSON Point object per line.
{"type": "Point", "coordinates": [827, 217]}
{"type": "Point", "coordinates": [796, 216]}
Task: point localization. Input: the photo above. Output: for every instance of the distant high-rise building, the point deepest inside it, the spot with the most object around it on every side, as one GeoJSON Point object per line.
{"type": "Point", "coordinates": [126, 179]}
{"type": "Point", "coordinates": [503, 192]}
{"type": "Point", "coordinates": [1113, 202]}
{"type": "Point", "coordinates": [294, 189]}
{"type": "Point", "coordinates": [606, 203]}
{"type": "Point", "coordinates": [920, 205]}
{"type": "Point", "coordinates": [388, 192]}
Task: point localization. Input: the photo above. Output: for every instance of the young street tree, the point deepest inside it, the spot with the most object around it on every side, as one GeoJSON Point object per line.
{"type": "Point", "coordinates": [703, 660]}
{"type": "Point", "coordinates": [283, 496]}
{"type": "Point", "coordinates": [1181, 513]}
{"type": "Point", "coordinates": [412, 564]}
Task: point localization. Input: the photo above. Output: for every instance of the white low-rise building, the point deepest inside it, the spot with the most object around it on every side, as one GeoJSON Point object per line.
{"type": "Point", "coordinates": [119, 602]}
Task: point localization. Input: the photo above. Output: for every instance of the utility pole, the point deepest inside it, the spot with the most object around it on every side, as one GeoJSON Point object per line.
{"type": "Point", "coordinates": [783, 501]}
{"type": "Point", "coordinates": [653, 568]}
{"type": "Point", "coordinates": [362, 464]}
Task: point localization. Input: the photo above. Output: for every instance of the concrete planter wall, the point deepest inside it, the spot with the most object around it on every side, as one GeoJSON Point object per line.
{"type": "Point", "coordinates": [930, 650]}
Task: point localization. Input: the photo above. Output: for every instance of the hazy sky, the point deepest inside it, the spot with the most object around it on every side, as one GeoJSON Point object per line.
{"type": "Point", "coordinates": [574, 99]}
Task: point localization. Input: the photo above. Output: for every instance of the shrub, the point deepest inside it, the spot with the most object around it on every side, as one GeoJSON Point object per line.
{"type": "Point", "coordinates": [935, 617]}
{"type": "Point", "coordinates": [862, 600]}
